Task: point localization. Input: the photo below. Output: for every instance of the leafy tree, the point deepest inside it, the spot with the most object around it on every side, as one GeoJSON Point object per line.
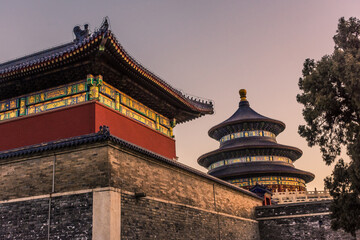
{"type": "Point", "coordinates": [330, 93]}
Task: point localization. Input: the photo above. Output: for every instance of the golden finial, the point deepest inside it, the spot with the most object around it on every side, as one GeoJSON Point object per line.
{"type": "Point", "coordinates": [242, 93]}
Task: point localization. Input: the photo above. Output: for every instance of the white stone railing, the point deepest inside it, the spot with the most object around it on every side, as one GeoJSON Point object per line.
{"type": "Point", "coordinates": [300, 196]}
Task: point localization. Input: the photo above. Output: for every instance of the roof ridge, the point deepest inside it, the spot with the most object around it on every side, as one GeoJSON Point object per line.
{"type": "Point", "coordinates": [46, 54]}
{"type": "Point", "coordinates": [35, 53]}
{"type": "Point", "coordinates": [200, 102]}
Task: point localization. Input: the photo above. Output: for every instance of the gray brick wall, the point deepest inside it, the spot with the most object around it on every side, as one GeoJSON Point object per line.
{"type": "Point", "coordinates": [71, 218]}
{"type": "Point", "coordinates": [140, 174]}
{"type": "Point", "coordinates": [150, 219]}
{"type": "Point", "coordinates": [82, 168]}
{"type": "Point", "coordinates": [282, 225]}
{"type": "Point", "coordinates": [103, 165]}
{"type": "Point", "coordinates": [24, 220]}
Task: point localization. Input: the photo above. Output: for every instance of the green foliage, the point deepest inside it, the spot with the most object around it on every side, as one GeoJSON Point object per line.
{"type": "Point", "coordinates": [345, 208]}
{"type": "Point", "coordinates": [331, 98]}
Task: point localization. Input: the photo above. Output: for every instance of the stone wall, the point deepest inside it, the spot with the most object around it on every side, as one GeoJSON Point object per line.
{"type": "Point", "coordinates": [70, 218]}
{"type": "Point", "coordinates": [82, 168]}
{"type": "Point", "coordinates": [180, 202]}
{"type": "Point", "coordinates": [136, 173]}
{"type": "Point", "coordinates": [30, 177]}
{"type": "Point", "coordinates": [297, 221]}
{"type": "Point", "coordinates": [150, 218]}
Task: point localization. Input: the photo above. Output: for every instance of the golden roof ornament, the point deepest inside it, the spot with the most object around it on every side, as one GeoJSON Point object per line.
{"type": "Point", "coordinates": [242, 93]}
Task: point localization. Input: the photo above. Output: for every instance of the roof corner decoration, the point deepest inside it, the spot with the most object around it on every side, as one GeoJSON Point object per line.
{"type": "Point", "coordinates": [80, 35]}
{"type": "Point", "coordinates": [249, 153]}
{"type": "Point", "coordinates": [105, 25]}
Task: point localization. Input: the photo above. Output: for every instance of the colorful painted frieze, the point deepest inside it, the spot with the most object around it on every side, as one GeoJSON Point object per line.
{"type": "Point", "coordinates": [22, 109]}
{"type": "Point", "coordinates": [108, 90]}
{"type": "Point", "coordinates": [250, 159]}
{"type": "Point", "coordinates": [115, 99]}
{"type": "Point", "coordinates": [56, 93]}
{"type": "Point", "coordinates": [164, 121]}
{"type": "Point", "coordinates": [269, 180]}
{"type": "Point", "coordinates": [138, 117]}
{"type": "Point", "coordinates": [9, 105]}
{"type": "Point", "coordinates": [136, 106]}
{"type": "Point", "coordinates": [217, 164]}
{"type": "Point", "coordinates": [117, 102]}
{"type": "Point", "coordinates": [107, 101]}
{"type": "Point", "coordinates": [92, 89]}
{"type": "Point", "coordinates": [8, 115]}
{"type": "Point", "coordinates": [164, 130]}
{"type": "Point", "coordinates": [62, 102]}
{"type": "Point", "coordinates": [242, 134]}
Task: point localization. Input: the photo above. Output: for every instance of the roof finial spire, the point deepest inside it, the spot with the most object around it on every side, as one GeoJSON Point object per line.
{"type": "Point", "coordinates": [242, 93]}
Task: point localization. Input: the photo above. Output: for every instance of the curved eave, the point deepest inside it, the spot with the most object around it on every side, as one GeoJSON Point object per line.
{"type": "Point", "coordinates": [50, 59]}
{"type": "Point", "coordinates": [260, 169]}
{"type": "Point", "coordinates": [249, 150]}
{"type": "Point", "coordinates": [196, 107]}
{"type": "Point", "coordinates": [45, 62]}
{"type": "Point", "coordinates": [225, 128]}
{"type": "Point", "coordinates": [246, 118]}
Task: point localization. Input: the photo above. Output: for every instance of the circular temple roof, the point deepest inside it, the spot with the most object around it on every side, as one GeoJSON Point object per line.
{"type": "Point", "coordinates": [249, 147]}
{"type": "Point", "coordinates": [245, 118]}
{"type": "Point", "coordinates": [241, 170]}
{"type": "Point", "coordinates": [246, 134]}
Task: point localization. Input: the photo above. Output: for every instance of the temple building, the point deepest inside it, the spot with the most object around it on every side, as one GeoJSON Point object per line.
{"type": "Point", "coordinates": [75, 88]}
{"type": "Point", "coordinates": [87, 151]}
{"type": "Point", "coordinates": [249, 153]}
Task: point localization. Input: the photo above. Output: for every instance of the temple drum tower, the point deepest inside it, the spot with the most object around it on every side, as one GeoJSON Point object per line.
{"type": "Point", "coordinates": [249, 153]}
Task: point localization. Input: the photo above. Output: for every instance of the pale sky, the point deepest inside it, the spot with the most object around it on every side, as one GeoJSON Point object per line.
{"type": "Point", "coordinates": [206, 48]}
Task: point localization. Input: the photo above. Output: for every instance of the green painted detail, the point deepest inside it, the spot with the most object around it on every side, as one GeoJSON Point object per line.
{"type": "Point", "coordinates": [107, 101]}
{"type": "Point", "coordinates": [89, 89]}
{"type": "Point", "coordinates": [90, 79]}
{"type": "Point", "coordinates": [58, 103]}
{"type": "Point", "coordinates": [56, 93]}
{"type": "Point", "coordinates": [22, 107]}
{"type": "Point", "coordinates": [9, 115]}
{"type": "Point", "coordinates": [9, 105]}
{"type": "Point", "coordinates": [99, 80]}
{"type": "Point", "coordinates": [173, 123]}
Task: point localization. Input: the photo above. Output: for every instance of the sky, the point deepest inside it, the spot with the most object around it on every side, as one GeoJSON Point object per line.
{"type": "Point", "coordinates": [206, 48]}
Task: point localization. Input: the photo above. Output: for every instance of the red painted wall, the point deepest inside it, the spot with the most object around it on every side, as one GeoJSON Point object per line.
{"type": "Point", "coordinates": [79, 120]}
{"type": "Point", "coordinates": [132, 131]}
{"type": "Point", "coordinates": [47, 126]}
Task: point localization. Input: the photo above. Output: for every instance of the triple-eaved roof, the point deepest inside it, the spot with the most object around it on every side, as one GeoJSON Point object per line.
{"type": "Point", "coordinates": [245, 135]}
{"type": "Point", "coordinates": [98, 53]}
